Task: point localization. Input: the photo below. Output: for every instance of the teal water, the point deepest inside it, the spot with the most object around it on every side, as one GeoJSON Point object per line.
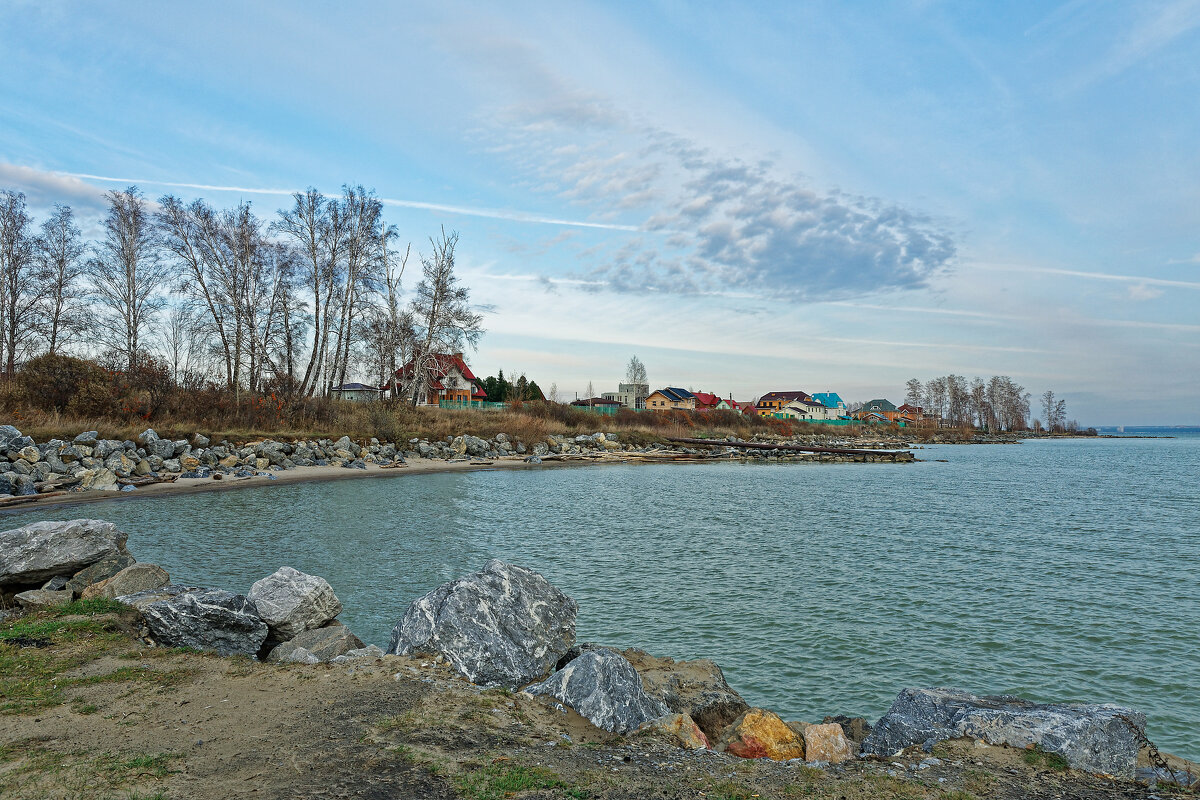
{"type": "Point", "coordinates": [1050, 569]}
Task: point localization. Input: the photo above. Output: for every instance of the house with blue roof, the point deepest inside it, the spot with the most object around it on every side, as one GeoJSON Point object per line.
{"type": "Point", "coordinates": [833, 402]}
{"type": "Point", "coordinates": [671, 397]}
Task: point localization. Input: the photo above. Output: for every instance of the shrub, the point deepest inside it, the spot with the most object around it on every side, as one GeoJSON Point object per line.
{"type": "Point", "coordinates": [51, 382]}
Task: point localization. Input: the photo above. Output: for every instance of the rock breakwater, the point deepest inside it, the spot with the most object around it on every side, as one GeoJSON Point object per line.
{"type": "Point", "coordinates": [88, 463]}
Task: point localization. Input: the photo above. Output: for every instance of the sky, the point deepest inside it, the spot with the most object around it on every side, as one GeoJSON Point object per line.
{"type": "Point", "coordinates": [749, 197]}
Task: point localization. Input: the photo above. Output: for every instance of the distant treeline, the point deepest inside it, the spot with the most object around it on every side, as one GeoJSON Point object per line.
{"type": "Point", "coordinates": [998, 403]}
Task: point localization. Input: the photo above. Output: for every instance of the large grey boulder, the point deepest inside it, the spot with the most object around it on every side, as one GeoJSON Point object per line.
{"type": "Point", "coordinates": [290, 602]}
{"type": "Point", "coordinates": [163, 448]}
{"type": "Point", "coordinates": [324, 644]}
{"type": "Point", "coordinates": [605, 689]}
{"type": "Point", "coordinates": [13, 439]}
{"type": "Point", "coordinates": [1093, 738]}
{"type": "Point", "coordinates": [506, 625]}
{"type": "Point", "coordinates": [8, 434]}
{"type": "Point", "coordinates": [208, 619]}
{"type": "Point", "coordinates": [34, 553]}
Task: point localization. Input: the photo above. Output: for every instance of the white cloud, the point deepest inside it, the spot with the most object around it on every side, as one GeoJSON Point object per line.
{"type": "Point", "coordinates": [1142, 291]}
{"type": "Point", "coordinates": [43, 188]}
{"type": "Point", "coordinates": [723, 223]}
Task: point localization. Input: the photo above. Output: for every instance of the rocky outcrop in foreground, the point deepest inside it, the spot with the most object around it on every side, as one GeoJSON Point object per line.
{"type": "Point", "coordinates": [508, 626]}
{"type": "Point", "coordinates": [291, 602]}
{"type": "Point", "coordinates": [41, 551]}
{"type": "Point", "coordinates": [503, 626]}
{"type": "Point", "coordinates": [605, 689]}
{"type": "Point", "coordinates": [210, 619]}
{"type": "Point", "coordinates": [1094, 738]}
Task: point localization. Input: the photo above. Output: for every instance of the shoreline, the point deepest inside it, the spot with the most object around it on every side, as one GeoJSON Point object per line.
{"type": "Point", "coordinates": [184, 486]}
{"type": "Point", "coordinates": [369, 466]}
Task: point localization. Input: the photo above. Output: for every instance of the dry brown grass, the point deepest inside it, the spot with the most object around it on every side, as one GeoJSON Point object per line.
{"type": "Point", "coordinates": [395, 421]}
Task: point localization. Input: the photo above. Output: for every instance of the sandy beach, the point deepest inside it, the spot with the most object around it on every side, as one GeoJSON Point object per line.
{"type": "Point", "coordinates": [285, 477]}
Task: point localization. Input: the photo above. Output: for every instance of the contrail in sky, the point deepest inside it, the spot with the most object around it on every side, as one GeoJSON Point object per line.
{"type": "Point", "coordinates": [1098, 276]}
{"type": "Point", "coordinates": [489, 213]}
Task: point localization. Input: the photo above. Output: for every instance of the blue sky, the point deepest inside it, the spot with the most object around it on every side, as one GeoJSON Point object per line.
{"type": "Point", "coordinates": [748, 196]}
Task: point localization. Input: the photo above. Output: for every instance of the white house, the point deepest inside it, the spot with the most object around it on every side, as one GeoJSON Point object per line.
{"type": "Point", "coordinates": [806, 409]}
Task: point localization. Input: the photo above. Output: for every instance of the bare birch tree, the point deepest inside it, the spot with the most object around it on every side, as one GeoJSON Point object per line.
{"type": "Point", "coordinates": [914, 392]}
{"type": "Point", "coordinates": [635, 372]}
{"type": "Point", "coordinates": [59, 253]}
{"type": "Point", "coordinates": [316, 226]}
{"type": "Point", "coordinates": [17, 291]}
{"type": "Point", "coordinates": [441, 310]}
{"type": "Point", "coordinates": [362, 215]}
{"type": "Point", "coordinates": [127, 275]}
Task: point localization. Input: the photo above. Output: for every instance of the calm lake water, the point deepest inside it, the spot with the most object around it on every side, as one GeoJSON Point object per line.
{"type": "Point", "coordinates": [1054, 570]}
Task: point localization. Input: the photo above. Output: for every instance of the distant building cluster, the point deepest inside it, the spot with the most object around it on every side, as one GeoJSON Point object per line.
{"type": "Point", "coordinates": [449, 381]}
{"type": "Point", "coordinates": [822, 407]}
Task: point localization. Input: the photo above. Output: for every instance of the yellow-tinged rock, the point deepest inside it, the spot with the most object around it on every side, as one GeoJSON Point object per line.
{"type": "Point", "coordinates": [229, 462]}
{"type": "Point", "coordinates": [827, 742]}
{"type": "Point", "coordinates": [189, 463]}
{"type": "Point", "coordinates": [761, 734]}
{"type": "Point", "coordinates": [680, 727]}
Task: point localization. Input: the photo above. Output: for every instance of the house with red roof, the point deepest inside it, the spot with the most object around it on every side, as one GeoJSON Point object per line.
{"type": "Point", "coordinates": [706, 401]}
{"type": "Point", "coordinates": [912, 414]}
{"type": "Point", "coordinates": [443, 377]}
{"type": "Point", "coordinates": [771, 402]}
{"type": "Point", "coordinates": [743, 407]}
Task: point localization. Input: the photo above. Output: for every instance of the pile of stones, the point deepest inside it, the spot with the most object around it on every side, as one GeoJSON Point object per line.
{"type": "Point", "coordinates": [89, 463]}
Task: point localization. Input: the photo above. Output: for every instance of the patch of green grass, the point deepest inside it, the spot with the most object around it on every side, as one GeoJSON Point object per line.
{"type": "Point", "coordinates": [91, 607]}
{"type": "Point", "coordinates": [157, 765]}
{"type": "Point", "coordinates": [1037, 757]}
{"type": "Point", "coordinates": [500, 780]}
{"type": "Point", "coordinates": [404, 753]}
{"type": "Point", "coordinates": [40, 629]}
{"type": "Point", "coordinates": [31, 675]}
